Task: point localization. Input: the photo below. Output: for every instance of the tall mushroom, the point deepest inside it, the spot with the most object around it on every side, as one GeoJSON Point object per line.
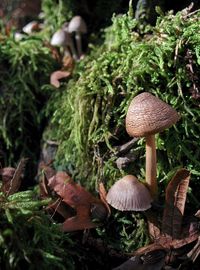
{"type": "Point", "coordinates": [78, 25]}
{"type": "Point", "coordinates": [146, 116]}
{"type": "Point", "coordinates": [128, 194]}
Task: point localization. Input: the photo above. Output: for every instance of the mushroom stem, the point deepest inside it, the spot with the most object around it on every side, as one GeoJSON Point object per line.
{"type": "Point", "coordinates": [151, 165]}
{"type": "Point", "coordinates": [78, 44]}
{"type": "Point", "coordinates": [73, 51]}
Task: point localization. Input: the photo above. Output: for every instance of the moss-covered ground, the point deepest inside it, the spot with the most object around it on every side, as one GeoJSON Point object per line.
{"type": "Point", "coordinates": [85, 118]}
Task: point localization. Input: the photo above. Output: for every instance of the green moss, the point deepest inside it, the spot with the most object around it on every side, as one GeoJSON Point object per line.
{"type": "Point", "coordinates": [89, 113]}
{"type": "Point", "coordinates": [25, 68]}
{"type": "Point", "coordinates": [28, 237]}
{"type": "Point", "coordinates": [56, 13]}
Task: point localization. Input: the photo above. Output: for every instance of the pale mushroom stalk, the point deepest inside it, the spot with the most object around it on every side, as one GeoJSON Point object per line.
{"type": "Point", "coordinates": [69, 42]}
{"type": "Point", "coordinates": [151, 165]}
{"type": "Point", "coordinates": [78, 26]}
{"type": "Point", "coordinates": [72, 49]}
{"type": "Point", "coordinates": [79, 44]}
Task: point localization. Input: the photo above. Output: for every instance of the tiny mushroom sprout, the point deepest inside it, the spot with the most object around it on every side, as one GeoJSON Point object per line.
{"type": "Point", "coordinates": [146, 116]}
{"type": "Point", "coordinates": [128, 194]}
{"type": "Point", "coordinates": [78, 26]}
{"type": "Point", "coordinates": [61, 38]}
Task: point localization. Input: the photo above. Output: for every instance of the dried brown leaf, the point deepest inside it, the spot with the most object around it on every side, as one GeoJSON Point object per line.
{"type": "Point", "coordinates": [60, 207]}
{"type": "Point", "coordinates": [6, 176]}
{"type": "Point", "coordinates": [153, 226]}
{"type": "Point", "coordinates": [78, 198]}
{"type": "Point", "coordinates": [16, 179]}
{"type": "Point", "coordinates": [46, 172]}
{"type": "Point", "coordinates": [175, 198]}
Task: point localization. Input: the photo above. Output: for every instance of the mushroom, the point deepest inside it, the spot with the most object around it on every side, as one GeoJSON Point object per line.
{"type": "Point", "coordinates": [62, 38]}
{"type": "Point", "coordinates": [31, 27]}
{"type": "Point", "coordinates": [146, 116]}
{"type": "Point", "coordinates": [128, 194]}
{"type": "Point", "coordinates": [78, 25]}
{"type": "Point", "coordinates": [18, 36]}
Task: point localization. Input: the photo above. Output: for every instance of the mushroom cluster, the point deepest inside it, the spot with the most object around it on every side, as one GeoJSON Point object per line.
{"type": "Point", "coordinates": [63, 37]}
{"type": "Point", "coordinates": [146, 116]}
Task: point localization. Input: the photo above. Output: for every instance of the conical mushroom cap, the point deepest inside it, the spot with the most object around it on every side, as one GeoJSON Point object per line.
{"type": "Point", "coordinates": [148, 115]}
{"type": "Point", "coordinates": [77, 24]}
{"type": "Point", "coordinates": [58, 38]}
{"type": "Point", "coordinates": [128, 194]}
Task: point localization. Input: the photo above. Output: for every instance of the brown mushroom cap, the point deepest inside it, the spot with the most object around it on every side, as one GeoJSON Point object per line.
{"type": "Point", "coordinates": [128, 194]}
{"type": "Point", "coordinates": [148, 115]}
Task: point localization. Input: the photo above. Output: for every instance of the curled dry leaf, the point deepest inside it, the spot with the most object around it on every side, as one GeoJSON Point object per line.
{"type": "Point", "coordinates": [58, 206]}
{"type": "Point", "coordinates": [11, 177]}
{"type": "Point", "coordinates": [45, 172]}
{"type": "Point", "coordinates": [153, 226]}
{"type": "Point", "coordinates": [58, 75]}
{"type": "Point", "coordinates": [16, 180]}
{"type": "Point", "coordinates": [78, 198]}
{"type": "Point", "coordinates": [6, 176]}
{"type": "Point", "coordinates": [175, 198]}
{"type": "Point", "coordinates": [171, 236]}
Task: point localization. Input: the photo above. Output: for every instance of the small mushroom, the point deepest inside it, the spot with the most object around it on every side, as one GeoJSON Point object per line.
{"type": "Point", "coordinates": [78, 25]}
{"type": "Point", "coordinates": [32, 27]}
{"type": "Point", "coordinates": [61, 38]}
{"type": "Point", "coordinates": [18, 36]}
{"type": "Point", "coordinates": [146, 116]}
{"type": "Point", "coordinates": [128, 194]}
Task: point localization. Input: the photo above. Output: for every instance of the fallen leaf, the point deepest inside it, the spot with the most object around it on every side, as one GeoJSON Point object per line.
{"type": "Point", "coordinates": [175, 198]}
{"type": "Point", "coordinates": [78, 198]}
{"type": "Point", "coordinates": [11, 177]}
{"type": "Point", "coordinates": [6, 176]}
{"type": "Point", "coordinates": [58, 75]}
{"type": "Point", "coordinates": [17, 177]}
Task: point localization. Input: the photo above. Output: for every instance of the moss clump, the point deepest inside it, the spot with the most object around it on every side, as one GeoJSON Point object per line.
{"type": "Point", "coordinates": [56, 13]}
{"type": "Point", "coordinates": [89, 115]}
{"type": "Point", "coordinates": [25, 67]}
{"type": "Point", "coordinates": [28, 237]}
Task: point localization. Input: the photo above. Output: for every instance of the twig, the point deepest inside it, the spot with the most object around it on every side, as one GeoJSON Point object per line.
{"type": "Point", "coordinates": [122, 149]}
